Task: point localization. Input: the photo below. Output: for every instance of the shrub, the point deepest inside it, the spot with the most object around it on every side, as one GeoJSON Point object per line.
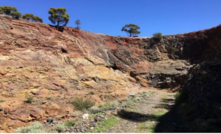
{"type": "Point", "coordinates": [105, 125]}
{"type": "Point", "coordinates": [129, 101]}
{"type": "Point", "coordinates": [2, 101]}
{"type": "Point", "coordinates": [35, 127]}
{"type": "Point", "coordinates": [30, 99]}
{"type": "Point", "coordinates": [48, 98]}
{"type": "Point", "coordinates": [108, 105]}
{"type": "Point", "coordinates": [158, 36]}
{"type": "Point", "coordinates": [81, 104]}
{"type": "Point", "coordinates": [180, 97]}
{"type": "Point", "coordinates": [60, 127]}
{"type": "Point", "coordinates": [91, 93]}
{"type": "Point", "coordinates": [70, 123]}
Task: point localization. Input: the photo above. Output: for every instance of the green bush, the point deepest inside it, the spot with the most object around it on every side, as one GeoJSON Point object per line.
{"type": "Point", "coordinates": [81, 104]}
{"type": "Point", "coordinates": [30, 99]}
{"type": "Point", "coordinates": [60, 127]}
{"type": "Point", "coordinates": [108, 105]}
{"type": "Point", "coordinates": [105, 125]}
{"type": "Point", "coordinates": [70, 123]}
{"type": "Point", "coordinates": [129, 101]}
{"type": "Point", "coordinates": [35, 127]}
{"type": "Point", "coordinates": [48, 98]}
{"type": "Point", "coordinates": [180, 97]}
{"type": "Point", "coordinates": [158, 36]}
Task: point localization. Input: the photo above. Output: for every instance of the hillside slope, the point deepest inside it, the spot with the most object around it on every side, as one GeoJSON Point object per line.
{"type": "Point", "coordinates": [37, 60]}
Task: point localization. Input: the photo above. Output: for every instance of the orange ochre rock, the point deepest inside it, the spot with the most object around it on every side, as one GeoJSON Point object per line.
{"type": "Point", "coordinates": [54, 67]}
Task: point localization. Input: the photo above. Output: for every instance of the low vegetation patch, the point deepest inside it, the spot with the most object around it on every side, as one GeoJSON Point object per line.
{"type": "Point", "coordinates": [2, 101]}
{"type": "Point", "coordinates": [81, 104]}
{"type": "Point", "coordinates": [91, 93]}
{"type": "Point", "coordinates": [108, 105]}
{"type": "Point", "coordinates": [159, 114]}
{"type": "Point", "coordinates": [148, 94]}
{"type": "Point", "coordinates": [48, 98]}
{"type": "Point", "coordinates": [146, 127]}
{"type": "Point", "coordinates": [105, 125]}
{"type": "Point", "coordinates": [35, 127]}
{"type": "Point", "coordinates": [70, 123]}
{"type": "Point", "coordinates": [60, 127]}
{"type": "Point", "coordinates": [30, 99]}
{"type": "Point", "coordinates": [129, 101]}
{"type": "Point", "coordinates": [180, 97]}
{"type": "Point", "coordinates": [97, 114]}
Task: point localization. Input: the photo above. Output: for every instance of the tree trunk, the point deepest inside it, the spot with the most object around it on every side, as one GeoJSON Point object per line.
{"type": "Point", "coordinates": [58, 25]}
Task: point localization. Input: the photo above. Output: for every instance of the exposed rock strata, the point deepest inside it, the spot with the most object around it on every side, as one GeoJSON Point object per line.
{"type": "Point", "coordinates": [37, 60]}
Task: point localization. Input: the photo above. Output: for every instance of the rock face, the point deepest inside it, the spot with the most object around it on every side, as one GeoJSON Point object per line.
{"type": "Point", "coordinates": [200, 97]}
{"type": "Point", "coordinates": [37, 60]}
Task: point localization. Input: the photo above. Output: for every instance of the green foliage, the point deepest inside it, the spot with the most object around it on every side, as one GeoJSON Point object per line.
{"type": "Point", "coordinates": [35, 127]}
{"type": "Point", "coordinates": [159, 114]}
{"type": "Point", "coordinates": [145, 127]}
{"type": "Point", "coordinates": [131, 29]}
{"type": "Point", "coordinates": [28, 16]}
{"type": "Point", "coordinates": [48, 98]}
{"type": "Point", "coordinates": [60, 127]}
{"type": "Point", "coordinates": [7, 9]}
{"type": "Point", "coordinates": [129, 101]}
{"type": "Point", "coordinates": [91, 93]}
{"type": "Point", "coordinates": [180, 97]}
{"type": "Point", "coordinates": [81, 104]}
{"type": "Point", "coordinates": [2, 101]}
{"type": "Point", "coordinates": [158, 36]}
{"type": "Point", "coordinates": [149, 93]}
{"type": "Point", "coordinates": [70, 123]}
{"type": "Point", "coordinates": [31, 17]}
{"type": "Point", "coordinates": [16, 14]}
{"type": "Point", "coordinates": [105, 125]}
{"type": "Point", "coordinates": [78, 22]}
{"type": "Point", "coordinates": [97, 114]}
{"type": "Point", "coordinates": [37, 19]}
{"type": "Point", "coordinates": [30, 99]}
{"type": "Point", "coordinates": [174, 49]}
{"type": "Point", "coordinates": [108, 105]}
{"type": "Point", "coordinates": [58, 16]}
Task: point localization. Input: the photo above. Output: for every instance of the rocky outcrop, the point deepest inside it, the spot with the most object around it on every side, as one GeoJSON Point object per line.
{"type": "Point", "coordinates": [200, 97]}
{"type": "Point", "coordinates": [55, 67]}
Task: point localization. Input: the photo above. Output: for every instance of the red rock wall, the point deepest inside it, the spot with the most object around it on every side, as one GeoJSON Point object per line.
{"type": "Point", "coordinates": [38, 60]}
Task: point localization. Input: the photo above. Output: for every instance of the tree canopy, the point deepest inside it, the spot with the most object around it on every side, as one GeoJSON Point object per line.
{"type": "Point", "coordinates": [58, 16]}
{"type": "Point", "coordinates": [131, 29]}
{"type": "Point", "coordinates": [16, 14]}
{"type": "Point", "coordinates": [31, 17]}
{"type": "Point", "coordinates": [7, 9]}
{"type": "Point", "coordinates": [78, 22]}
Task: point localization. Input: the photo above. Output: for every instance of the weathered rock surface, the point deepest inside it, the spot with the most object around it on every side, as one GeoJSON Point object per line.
{"type": "Point", "coordinates": [201, 97]}
{"type": "Point", "coordinates": [54, 67]}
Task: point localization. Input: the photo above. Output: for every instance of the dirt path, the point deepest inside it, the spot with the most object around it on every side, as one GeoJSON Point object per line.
{"type": "Point", "coordinates": [145, 115]}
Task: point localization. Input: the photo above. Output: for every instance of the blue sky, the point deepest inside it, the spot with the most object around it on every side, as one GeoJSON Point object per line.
{"type": "Point", "coordinates": [109, 16]}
